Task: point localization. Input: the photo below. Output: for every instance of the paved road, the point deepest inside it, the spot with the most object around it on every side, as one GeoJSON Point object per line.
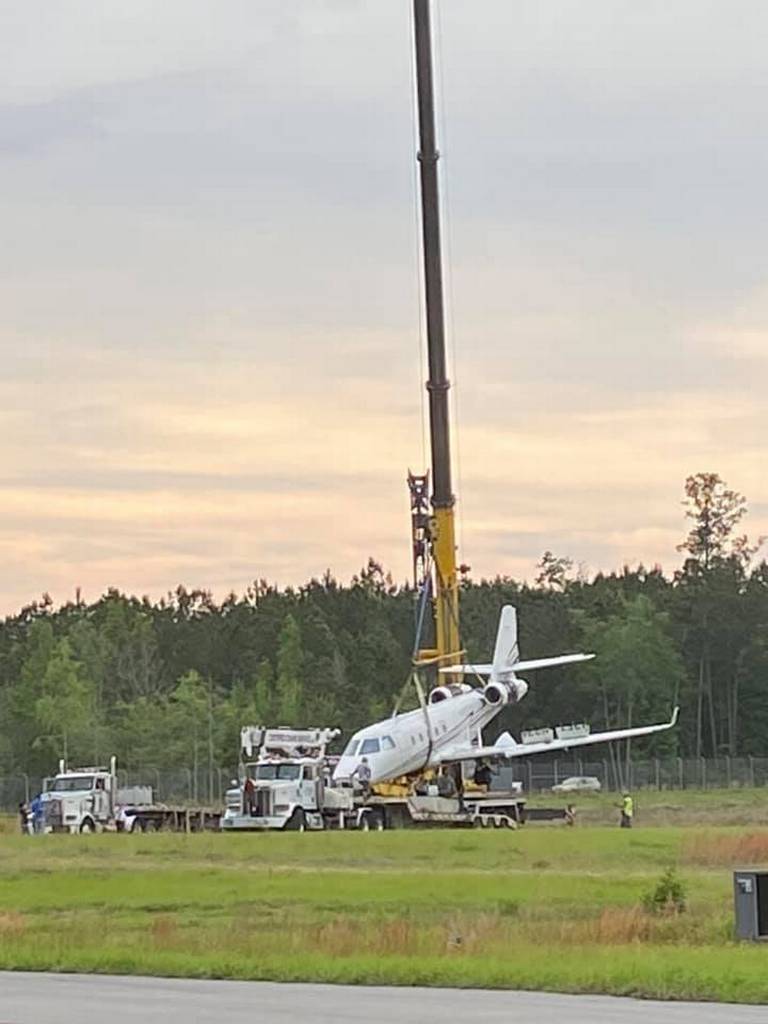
{"type": "Point", "coordinates": [90, 999]}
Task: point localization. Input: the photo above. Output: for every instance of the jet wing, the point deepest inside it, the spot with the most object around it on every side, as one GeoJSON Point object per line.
{"type": "Point", "coordinates": [519, 666]}
{"type": "Point", "coordinates": [506, 747]}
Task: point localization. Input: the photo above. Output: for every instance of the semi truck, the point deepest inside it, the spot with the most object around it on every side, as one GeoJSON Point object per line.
{"type": "Point", "coordinates": [285, 783]}
{"type": "Point", "coordinates": [82, 800]}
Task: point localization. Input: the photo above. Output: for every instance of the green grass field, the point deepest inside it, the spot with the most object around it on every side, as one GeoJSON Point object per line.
{"type": "Point", "coordinates": [546, 907]}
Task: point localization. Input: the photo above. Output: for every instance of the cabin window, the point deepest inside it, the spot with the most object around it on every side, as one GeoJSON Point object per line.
{"type": "Point", "coordinates": [307, 772]}
{"type": "Point", "coordinates": [351, 749]}
{"type": "Point", "coordinates": [369, 747]}
{"type": "Point", "coordinates": [387, 743]}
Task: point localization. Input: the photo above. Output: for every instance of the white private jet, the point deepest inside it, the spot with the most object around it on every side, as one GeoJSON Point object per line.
{"type": "Point", "coordinates": [447, 729]}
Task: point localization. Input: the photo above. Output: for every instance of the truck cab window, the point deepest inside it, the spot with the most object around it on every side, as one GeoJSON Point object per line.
{"type": "Point", "coordinates": [286, 772]}
{"type": "Point", "coordinates": [72, 783]}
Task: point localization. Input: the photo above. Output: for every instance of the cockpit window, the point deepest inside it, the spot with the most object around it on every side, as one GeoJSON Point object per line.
{"type": "Point", "coordinates": [369, 747]}
{"type": "Point", "coordinates": [351, 749]}
{"type": "Point", "coordinates": [387, 743]}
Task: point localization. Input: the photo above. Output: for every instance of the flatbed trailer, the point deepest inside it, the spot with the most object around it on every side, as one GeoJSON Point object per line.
{"type": "Point", "coordinates": [162, 818]}
{"type": "Point", "coordinates": [492, 810]}
{"type": "Point", "coordinates": [378, 813]}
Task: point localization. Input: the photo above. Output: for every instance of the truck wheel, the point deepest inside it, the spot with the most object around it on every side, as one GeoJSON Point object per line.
{"type": "Point", "coordinates": [86, 827]}
{"type": "Point", "coordinates": [297, 821]}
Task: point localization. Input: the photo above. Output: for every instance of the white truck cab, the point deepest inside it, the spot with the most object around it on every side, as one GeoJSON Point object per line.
{"type": "Point", "coordinates": [286, 785]}
{"type": "Point", "coordinates": [80, 800]}
{"type": "Point", "coordinates": [88, 800]}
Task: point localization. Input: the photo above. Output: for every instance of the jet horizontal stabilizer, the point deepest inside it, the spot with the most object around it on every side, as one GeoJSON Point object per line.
{"type": "Point", "coordinates": [520, 666]}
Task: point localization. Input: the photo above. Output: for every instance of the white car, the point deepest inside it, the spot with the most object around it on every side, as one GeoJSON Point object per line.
{"type": "Point", "coordinates": [578, 784]}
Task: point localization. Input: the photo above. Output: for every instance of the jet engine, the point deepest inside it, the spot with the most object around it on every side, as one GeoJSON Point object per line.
{"type": "Point", "coordinates": [446, 692]}
{"type": "Point", "coordinates": [500, 693]}
{"type": "Point", "coordinates": [496, 693]}
{"type": "Point", "coordinates": [440, 693]}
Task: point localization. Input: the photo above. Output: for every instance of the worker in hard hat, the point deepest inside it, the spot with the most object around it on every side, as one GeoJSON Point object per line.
{"type": "Point", "coordinates": [627, 810]}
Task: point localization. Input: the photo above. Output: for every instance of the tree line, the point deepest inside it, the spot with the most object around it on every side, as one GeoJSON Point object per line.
{"type": "Point", "coordinates": [169, 683]}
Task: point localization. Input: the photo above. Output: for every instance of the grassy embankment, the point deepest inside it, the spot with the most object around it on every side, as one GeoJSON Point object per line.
{"type": "Point", "coordinates": [546, 907]}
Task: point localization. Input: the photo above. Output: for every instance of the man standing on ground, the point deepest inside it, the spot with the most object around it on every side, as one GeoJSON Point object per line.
{"type": "Point", "coordinates": [627, 811]}
{"type": "Point", "coordinates": [36, 810]}
{"type": "Point", "coordinates": [249, 796]}
{"type": "Point", "coordinates": [24, 822]}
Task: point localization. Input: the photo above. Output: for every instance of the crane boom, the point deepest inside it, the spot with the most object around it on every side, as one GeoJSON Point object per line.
{"type": "Point", "coordinates": [436, 532]}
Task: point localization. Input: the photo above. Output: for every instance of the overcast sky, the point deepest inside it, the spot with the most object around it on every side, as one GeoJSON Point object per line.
{"type": "Point", "coordinates": [209, 283]}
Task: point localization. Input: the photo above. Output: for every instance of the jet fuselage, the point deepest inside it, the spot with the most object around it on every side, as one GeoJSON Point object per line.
{"type": "Point", "coordinates": [412, 741]}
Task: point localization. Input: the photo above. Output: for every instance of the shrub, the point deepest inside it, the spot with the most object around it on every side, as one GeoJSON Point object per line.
{"type": "Point", "coordinates": [508, 908]}
{"type": "Point", "coordinates": [668, 896]}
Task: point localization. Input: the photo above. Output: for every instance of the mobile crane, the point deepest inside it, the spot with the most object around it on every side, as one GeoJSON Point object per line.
{"type": "Point", "coordinates": [433, 531]}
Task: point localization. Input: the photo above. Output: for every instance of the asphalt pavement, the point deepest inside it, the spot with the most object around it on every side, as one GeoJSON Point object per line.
{"type": "Point", "coordinates": [94, 999]}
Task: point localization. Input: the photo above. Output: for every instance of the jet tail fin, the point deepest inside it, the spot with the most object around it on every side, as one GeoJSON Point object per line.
{"type": "Point", "coordinates": [507, 651]}
{"type": "Point", "coordinates": [506, 654]}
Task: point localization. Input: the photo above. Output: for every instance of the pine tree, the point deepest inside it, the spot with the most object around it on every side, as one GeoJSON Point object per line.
{"type": "Point", "coordinates": [290, 663]}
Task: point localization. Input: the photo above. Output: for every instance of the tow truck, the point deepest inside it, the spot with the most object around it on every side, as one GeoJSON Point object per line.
{"type": "Point", "coordinates": [286, 785]}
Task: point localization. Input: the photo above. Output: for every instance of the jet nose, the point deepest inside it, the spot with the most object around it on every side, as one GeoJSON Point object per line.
{"type": "Point", "coordinates": [344, 767]}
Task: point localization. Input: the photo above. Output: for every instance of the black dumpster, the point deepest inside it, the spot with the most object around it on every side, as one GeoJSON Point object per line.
{"type": "Point", "coordinates": [750, 900]}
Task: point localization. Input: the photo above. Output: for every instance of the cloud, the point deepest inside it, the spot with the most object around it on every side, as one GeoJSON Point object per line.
{"type": "Point", "coordinates": [210, 284]}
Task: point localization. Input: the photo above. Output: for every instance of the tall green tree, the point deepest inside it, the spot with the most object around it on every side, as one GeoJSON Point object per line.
{"type": "Point", "coordinates": [713, 577]}
{"type": "Point", "coordinates": [163, 684]}
{"type": "Point", "coordinates": [65, 710]}
{"type": "Point", "coordinates": [290, 665]}
{"type": "Point", "coordinates": [638, 669]}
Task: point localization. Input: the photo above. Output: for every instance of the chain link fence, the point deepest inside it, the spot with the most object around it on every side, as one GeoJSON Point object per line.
{"type": "Point", "coordinates": [658, 773]}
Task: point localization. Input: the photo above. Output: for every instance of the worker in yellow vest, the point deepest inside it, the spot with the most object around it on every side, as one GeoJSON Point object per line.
{"type": "Point", "coordinates": [627, 811]}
